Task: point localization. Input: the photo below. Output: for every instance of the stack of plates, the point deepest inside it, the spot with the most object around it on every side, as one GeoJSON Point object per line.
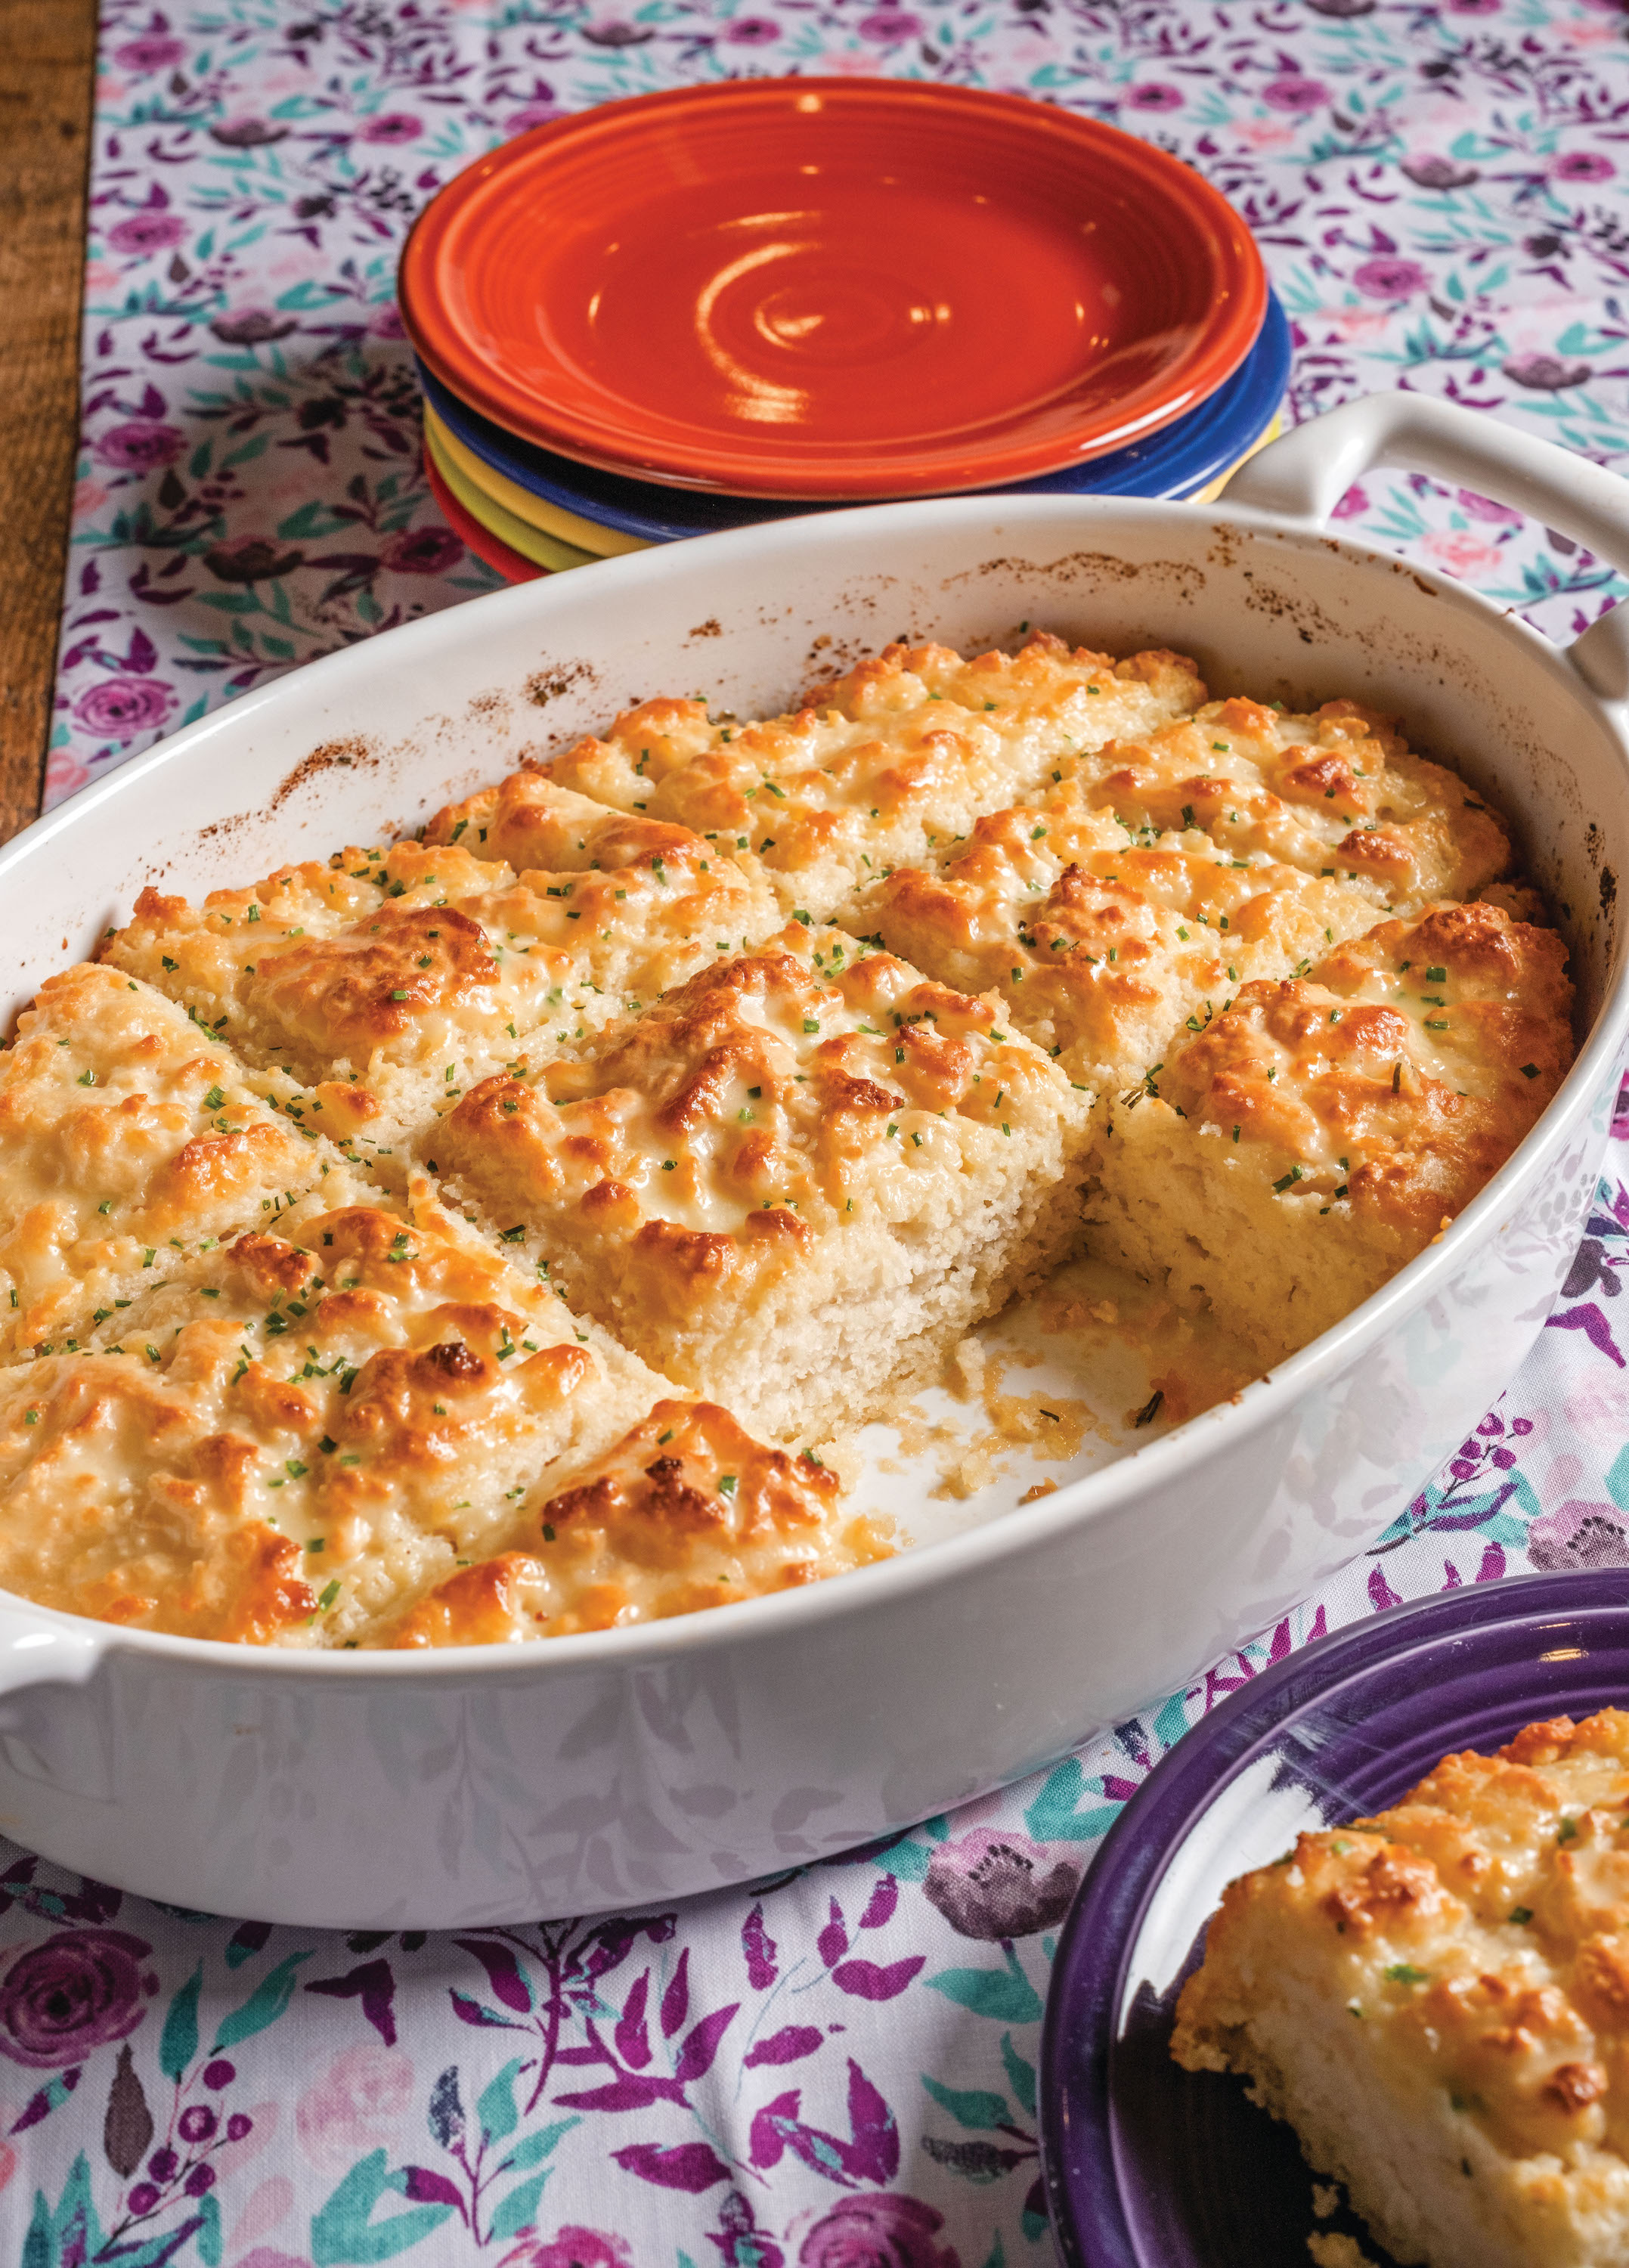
{"type": "Point", "coordinates": [725, 304]}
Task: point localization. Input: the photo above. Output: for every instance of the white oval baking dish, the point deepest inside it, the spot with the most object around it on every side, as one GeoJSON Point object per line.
{"type": "Point", "coordinates": [623, 1767]}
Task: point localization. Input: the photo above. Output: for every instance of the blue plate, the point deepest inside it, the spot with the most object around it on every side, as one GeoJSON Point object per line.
{"type": "Point", "coordinates": [1148, 2166]}
{"type": "Point", "coordinates": [1177, 462]}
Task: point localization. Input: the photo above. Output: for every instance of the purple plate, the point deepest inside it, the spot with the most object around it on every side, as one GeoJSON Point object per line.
{"type": "Point", "coordinates": [1148, 2166]}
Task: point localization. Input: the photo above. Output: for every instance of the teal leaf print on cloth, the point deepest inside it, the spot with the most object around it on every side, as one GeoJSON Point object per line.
{"type": "Point", "coordinates": [836, 2067]}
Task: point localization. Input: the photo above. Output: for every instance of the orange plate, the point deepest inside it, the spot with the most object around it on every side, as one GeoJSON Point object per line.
{"type": "Point", "coordinates": [831, 288]}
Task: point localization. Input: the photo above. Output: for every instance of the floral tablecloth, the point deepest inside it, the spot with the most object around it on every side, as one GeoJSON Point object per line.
{"type": "Point", "coordinates": [835, 2069]}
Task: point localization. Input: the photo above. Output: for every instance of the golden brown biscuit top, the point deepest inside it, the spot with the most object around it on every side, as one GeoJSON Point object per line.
{"type": "Point", "coordinates": [1399, 1073]}
{"type": "Point", "coordinates": [1102, 941]}
{"type": "Point", "coordinates": [129, 1136]}
{"type": "Point", "coordinates": [385, 1394]}
{"type": "Point", "coordinates": [1336, 793]}
{"type": "Point", "coordinates": [1481, 1929]}
{"type": "Point", "coordinates": [801, 1087]}
{"type": "Point", "coordinates": [880, 765]}
{"type": "Point", "coordinates": [424, 948]}
{"type": "Point", "coordinates": [688, 1511]}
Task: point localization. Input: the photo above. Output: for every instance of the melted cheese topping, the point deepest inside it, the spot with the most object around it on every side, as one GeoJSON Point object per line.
{"type": "Point", "coordinates": [1104, 944]}
{"type": "Point", "coordinates": [1399, 1075]}
{"type": "Point", "coordinates": [686, 1512]}
{"type": "Point", "coordinates": [1466, 1955]}
{"type": "Point", "coordinates": [131, 1146]}
{"type": "Point", "coordinates": [318, 1429]}
{"type": "Point", "coordinates": [797, 1129]}
{"type": "Point", "coordinates": [880, 766]}
{"type": "Point", "coordinates": [429, 959]}
{"type": "Point", "coordinates": [1336, 793]}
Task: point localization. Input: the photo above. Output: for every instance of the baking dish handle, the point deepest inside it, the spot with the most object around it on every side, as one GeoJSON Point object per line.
{"type": "Point", "coordinates": [1304, 475]}
{"type": "Point", "coordinates": [51, 1727]}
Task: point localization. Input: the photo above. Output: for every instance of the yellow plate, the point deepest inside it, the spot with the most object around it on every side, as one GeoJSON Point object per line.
{"type": "Point", "coordinates": [530, 542]}
{"type": "Point", "coordinates": [1210, 494]}
{"type": "Point", "coordinates": [550, 520]}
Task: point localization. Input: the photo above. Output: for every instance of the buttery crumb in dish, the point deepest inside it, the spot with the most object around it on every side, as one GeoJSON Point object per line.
{"type": "Point", "coordinates": [1288, 1157]}
{"type": "Point", "coordinates": [1101, 948]}
{"type": "Point", "coordinates": [687, 1511]}
{"type": "Point", "coordinates": [418, 968]}
{"type": "Point", "coordinates": [877, 767]}
{"type": "Point", "coordinates": [799, 1159]}
{"type": "Point", "coordinates": [1437, 1999]}
{"type": "Point", "coordinates": [130, 1144]}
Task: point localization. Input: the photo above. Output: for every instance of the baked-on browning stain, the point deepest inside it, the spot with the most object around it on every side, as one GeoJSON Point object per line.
{"type": "Point", "coordinates": [352, 755]}
{"type": "Point", "coordinates": [1608, 889]}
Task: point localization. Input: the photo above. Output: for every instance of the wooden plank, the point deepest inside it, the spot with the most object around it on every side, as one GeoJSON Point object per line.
{"type": "Point", "coordinates": [47, 55]}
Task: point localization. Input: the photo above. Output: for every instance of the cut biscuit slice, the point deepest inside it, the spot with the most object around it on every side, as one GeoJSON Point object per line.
{"type": "Point", "coordinates": [687, 1511]}
{"type": "Point", "coordinates": [413, 970]}
{"type": "Point", "coordinates": [1290, 1156]}
{"type": "Point", "coordinates": [296, 1448]}
{"type": "Point", "coordinates": [133, 1147]}
{"type": "Point", "coordinates": [1435, 2001]}
{"type": "Point", "coordinates": [1336, 793]}
{"type": "Point", "coordinates": [1104, 945]}
{"type": "Point", "coordinates": [803, 1173]}
{"type": "Point", "coordinates": [879, 768]}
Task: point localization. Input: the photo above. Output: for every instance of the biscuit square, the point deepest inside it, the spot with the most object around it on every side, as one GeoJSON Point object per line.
{"type": "Point", "coordinates": [687, 1511]}
{"type": "Point", "coordinates": [1293, 1154]}
{"type": "Point", "coordinates": [1337, 794]}
{"type": "Point", "coordinates": [415, 969]}
{"type": "Point", "coordinates": [1436, 1999]}
{"type": "Point", "coordinates": [1103, 944]}
{"type": "Point", "coordinates": [879, 767]}
{"type": "Point", "coordinates": [133, 1145]}
{"type": "Point", "coordinates": [797, 1160]}
{"type": "Point", "coordinates": [292, 1446]}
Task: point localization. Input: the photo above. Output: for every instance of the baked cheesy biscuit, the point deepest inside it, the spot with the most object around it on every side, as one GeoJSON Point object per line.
{"type": "Point", "coordinates": [1101, 942]}
{"type": "Point", "coordinates": [415, 968]}
{"type": "Point", "coordinates": [326, 1425]}
{"type": "Point", "coordinates": [1336, 793]}
{"type": "Point", "coordinates": [131, 1145]}
{"type": "Point", "coordinates": [1437, 1999]}
{"type": "Point", "coordinates": [796, 1162]}
{"type": "Point", "coordinates": [879, 767]}
{"type": "Point", "coordinates": [687, 1511]}
{"type": "Point", "coordinates": [1286, 1159]}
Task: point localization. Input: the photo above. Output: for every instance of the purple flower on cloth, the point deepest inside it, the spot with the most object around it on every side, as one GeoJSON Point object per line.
{"type": "Point", "coordinates": [1545, 373]}
{"type": "Point", "coordinates": [889, 25]}
{"type": "Point", "coordinates": [1390, 279]}
{"type": "Point", "coordinates": [250, 559]}
{"type": "Point", "coordinates": [78, 1991]}
{"type": "Point", "coordinates": [535, 114]}
{"type": "Point", "coordinates": [393, 126]}
{"type": "Point", "coordinates": [247, 133]}
{"type": "Point", "coordinates": [147, 232]}
{"type": "Point", "coordinates": [254, 326]}
{"type": "Point", "coordinates": [121, 707]}
{"type": "Point", "coordinates": [876, 2231]}
{"type": "Point", "coordinates": [999, 1886]}
{"type": "Point", "coordinates": [139, 445]}
{"type": "Point", "coordinates": [752, 32]}
{"type": "Point", "coordinates": [1295, 93]}
{"type": "Point", "coordinates": [151, 53]}
{"type": "Point", "coordinates": [1340, 8]}
{"type": "Point", "coordinates": [1583, 165]}
{"type": "Point", "coordinates": [1155, 94]}
{"type": "Point", "coordinates": [569, 2248]}
{"type": "Point", "coordinates": [1440, 174]}
{"type": "Point", "coordinates": [1578, 1535]}
{"type": "Point", "coordinates": [422, 551]}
